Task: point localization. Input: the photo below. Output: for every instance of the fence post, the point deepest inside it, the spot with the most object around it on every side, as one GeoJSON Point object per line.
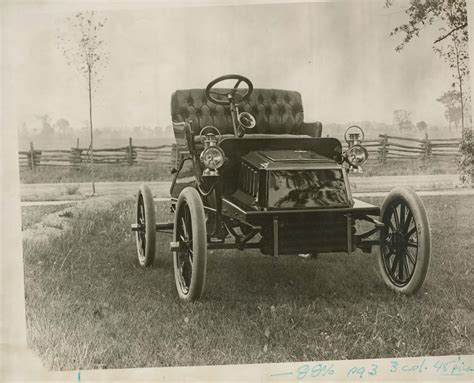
{"type": "Point", "coordinates": [130, 151]}
{"type": "Point", "coordinates": [32, 155]}
{"type": "Point", "coordinates": [383, 151]}
{"type": "Point", "coordinates": [427, 147]}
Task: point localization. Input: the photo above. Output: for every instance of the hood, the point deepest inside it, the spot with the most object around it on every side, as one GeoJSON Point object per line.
{"type": "Point", "coordinates": [288, 159]}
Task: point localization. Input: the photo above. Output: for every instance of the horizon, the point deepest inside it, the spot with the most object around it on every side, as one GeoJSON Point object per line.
{"type": "Point", "coordinates": [324, 50]}
{"type": "Point", "coordinates": [146, 135]}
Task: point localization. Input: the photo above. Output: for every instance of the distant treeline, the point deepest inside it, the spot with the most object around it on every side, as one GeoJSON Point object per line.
{"type": "Point", "coordinates": [50, 134]}
{"type": "Point", "coordinates": [44, 129]}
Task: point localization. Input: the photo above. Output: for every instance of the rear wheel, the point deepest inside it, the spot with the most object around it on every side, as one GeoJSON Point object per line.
{"type": "Point", "coordinates": [146, 234]}
{"type": "Point", "coordinates": [190, 259]}
{"type": "Point", "coordinates": [405, 241]}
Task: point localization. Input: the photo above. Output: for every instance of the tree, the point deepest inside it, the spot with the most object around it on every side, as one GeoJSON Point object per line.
{"type": "Point", "coordinates": [401, 119]}
{"type": "Point", "coordinates": [452, 104]}
{"type": "Point", "coordinates": [452, 44]}
{"type": "Point", "coordinates": [47, 130]}
{"type": "Point", "coordinates": [63, 128]}
{"type": "Point", "coordinates": [84, 48]}
{"type": "Point", "coordinates": [422, 126]}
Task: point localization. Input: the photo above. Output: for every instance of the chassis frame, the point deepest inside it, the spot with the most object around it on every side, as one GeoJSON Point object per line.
{"type": "Point", "coordinates": [213, 219]}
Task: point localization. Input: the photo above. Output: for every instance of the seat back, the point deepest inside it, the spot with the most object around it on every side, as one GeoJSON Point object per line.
{"type": "Point", "coordinates": [276, 111]}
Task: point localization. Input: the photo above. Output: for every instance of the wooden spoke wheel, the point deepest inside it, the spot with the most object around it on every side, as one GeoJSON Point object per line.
{"type": "Point", "coordinates": [405, 241]}
{"type": "Point", "coordinates": [190, 259]}
{"type": "Point", "coordinates": [145, 233]}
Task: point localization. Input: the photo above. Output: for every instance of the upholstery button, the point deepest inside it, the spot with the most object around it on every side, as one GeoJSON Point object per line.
{"type": "Point", "coordinates": [276, 111]}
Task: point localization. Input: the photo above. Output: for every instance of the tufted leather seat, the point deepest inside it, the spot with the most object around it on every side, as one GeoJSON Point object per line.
{"type": "Point", "coordinates": [276, 111]}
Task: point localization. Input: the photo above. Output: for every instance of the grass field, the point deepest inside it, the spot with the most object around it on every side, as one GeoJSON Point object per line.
{"type": "Point", "coordinates": [395, 167]}
{"type": "Point", "coordinates": [161, 172]}
{"type": "Point", "coordinates": [30, 215]}
{"type": "Point", "coordinates": [102, 173]}
{"type": "Point", "coordinates": [89, 304]}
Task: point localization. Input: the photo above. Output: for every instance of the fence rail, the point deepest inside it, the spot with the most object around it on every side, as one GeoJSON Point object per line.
{"type": "Point", "coordinates": [393, 147]}
{"type": "Point", "coordinates": [75, 157]}
{"type": "Point", "coordinates": [383, 148]}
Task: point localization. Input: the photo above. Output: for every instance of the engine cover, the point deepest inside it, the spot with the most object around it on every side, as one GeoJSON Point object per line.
{"type": "Point", "coordinates": [293, 179]}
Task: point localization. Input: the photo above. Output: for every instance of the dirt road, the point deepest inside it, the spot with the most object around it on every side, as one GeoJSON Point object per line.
{"type": "Point", "coordinates": [55, 192]}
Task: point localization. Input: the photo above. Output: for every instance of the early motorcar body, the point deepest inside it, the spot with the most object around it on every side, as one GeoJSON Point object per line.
{"type": "Point", "coordinates": [250, 173]}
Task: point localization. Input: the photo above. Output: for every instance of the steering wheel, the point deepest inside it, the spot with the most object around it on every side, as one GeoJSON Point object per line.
{"type": "Point", "coordinates": [210, 93]}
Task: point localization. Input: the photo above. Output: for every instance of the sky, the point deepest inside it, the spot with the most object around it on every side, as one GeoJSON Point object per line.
{"type": "Point", "coordinates": [339, 55]}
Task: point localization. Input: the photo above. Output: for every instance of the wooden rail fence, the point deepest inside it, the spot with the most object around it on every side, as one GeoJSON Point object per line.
{"type": "Point", "coordinates": [391, 147]}
{"type": "Point", "coordinates": [75, 157]}
{"type": "Point", "coordinates": [382, 149]}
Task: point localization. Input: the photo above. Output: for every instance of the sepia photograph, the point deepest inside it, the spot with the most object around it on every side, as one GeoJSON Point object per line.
{"type": "Point", "coordinates": [234, 183]}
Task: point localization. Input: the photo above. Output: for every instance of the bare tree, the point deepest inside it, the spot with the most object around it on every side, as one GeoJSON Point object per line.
{"type": "Point", "coordinates": [84, 48]}
{"type": "Point", "coordinates": [401, 118]}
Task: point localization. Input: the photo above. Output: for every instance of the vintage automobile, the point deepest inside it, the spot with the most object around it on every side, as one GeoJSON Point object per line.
{"type": "Point", "coordinates": [251, 174]}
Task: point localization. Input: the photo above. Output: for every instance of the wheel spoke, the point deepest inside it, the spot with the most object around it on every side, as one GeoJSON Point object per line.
{"type": "Point", "coordinates": [185, 229]}
{"type": "Point", "coordinates": [406, 268]}
{"type": "Point", "coordinates": [402, 215]}
{"type": "Point", "coordinates": [389, 252]}
{"type": "Point", "coordinates": [391, 225]}
{"type": "Point", "coordinates": [410, 257]}
{"type": "Point", "coordinates": [237, 84]}
{"type": "Point", "coordinates": [400, 267]}
{"type": "Point", "coordinates": [397, 219]}
{"type": "Point", "coordinates": [217, 93]}
{"type": "Point", "coordinates": [394, 264]}
{"type": "Point", "coordinates": [407, 222]}
{"type": "Point", "coordinates": [190, 259]}
{"type": "Point", "coordinates": [412, 244]}
{"type": "Point", "coordinates": [410, 233]}
{"type": "Point", "coordinates": [189, 225]}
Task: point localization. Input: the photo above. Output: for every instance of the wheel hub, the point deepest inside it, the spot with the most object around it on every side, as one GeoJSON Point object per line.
{"type": "Point", "coordinates": [398, 241]}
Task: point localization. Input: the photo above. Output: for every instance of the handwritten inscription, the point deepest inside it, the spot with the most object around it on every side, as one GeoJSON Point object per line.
{"type": "Point", "coordinates": [314, 371]}
{"type": "Point", "coordinates": [361, 372]}
{"type": "Point", "coordinates": [455, 366]}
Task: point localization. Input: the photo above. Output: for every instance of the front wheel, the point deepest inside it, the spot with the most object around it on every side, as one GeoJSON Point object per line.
{"type": "Point", "coordinates": [146, 234]}
{"type": "Point", "coordinates": [405, 241]}
{"type": "Point", "coordinates": [190, 259]}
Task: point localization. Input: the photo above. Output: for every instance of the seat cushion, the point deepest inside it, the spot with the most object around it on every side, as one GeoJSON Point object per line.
{"type": "Point", "coordinates": [276, 111]}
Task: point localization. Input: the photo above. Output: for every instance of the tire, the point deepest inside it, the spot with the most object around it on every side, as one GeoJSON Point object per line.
{"type": "Point", "coordinates": [405, 241]}
{"type": "Point", "coordinates": [190, 261]}
{"type": "Point", "coordinates": [146, 235]}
